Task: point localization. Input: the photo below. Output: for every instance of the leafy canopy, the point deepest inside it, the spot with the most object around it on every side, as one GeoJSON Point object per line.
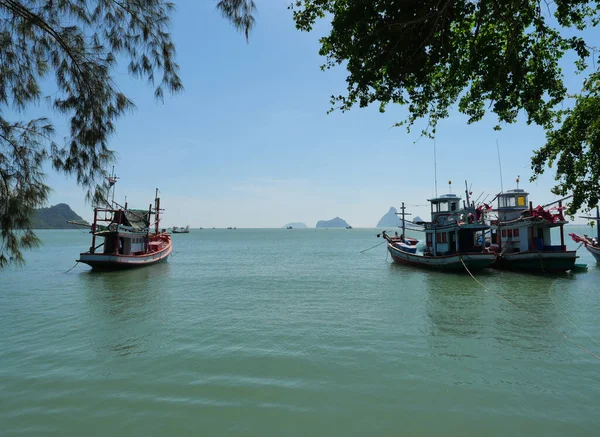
{"type": "Point", "coordinates": [498, 56]}
{"type": "Point", "coordinates": [76, 45]}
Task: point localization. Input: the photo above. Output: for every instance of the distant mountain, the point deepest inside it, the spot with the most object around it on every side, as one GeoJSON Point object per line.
{"type": "Point", "coordinates": [333, 223]}
{"type": "Point", "coordinates": [391, 220]}
{"type": "Point", "coordinates": [55, 217]}
{"type": "Point", "coordinates": [296, 225]}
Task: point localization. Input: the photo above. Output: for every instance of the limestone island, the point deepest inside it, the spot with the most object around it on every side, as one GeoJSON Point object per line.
{"type": "Point", "coordinates": [296, 225]}
{"type": "Point", "coordinates": [391, 219]}
{"type": "Point", "coordinates": [333, 223]}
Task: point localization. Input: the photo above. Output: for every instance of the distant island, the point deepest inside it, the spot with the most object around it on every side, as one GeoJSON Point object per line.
{"type": "Point", "coordinates": [55, 217]}
{"type": "Point", "coordinates": [333, 223]}
{"type": "Point", "coordinates": [392, 220]}
{"type": "Point", "coordinates": [297, 225]}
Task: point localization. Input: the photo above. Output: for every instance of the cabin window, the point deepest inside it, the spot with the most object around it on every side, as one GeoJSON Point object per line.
{"type": "Point", "coordinates": [453, 206]}
{"type": "Point", "coordinates": [510, 233]}
{"type": "Point", "coordinates": [428, 238]}
{"type": "Point", "coordinates": [503, 233]}
{"type": "Point", "coordinates": [521, 201]}
{"type": "Point", "coordinates": [516, 233]}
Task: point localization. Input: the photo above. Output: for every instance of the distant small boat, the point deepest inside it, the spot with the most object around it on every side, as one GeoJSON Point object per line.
{"type": "Point", "coordinates": [348, 227]}
{"type": "Point", "coordinates": [181, 230]}
{"type": "Point", "coordinates": [289, 227]}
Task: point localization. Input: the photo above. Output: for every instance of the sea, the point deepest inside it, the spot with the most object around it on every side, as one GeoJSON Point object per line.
{"type": "Point", "coordinates": [275, 332]}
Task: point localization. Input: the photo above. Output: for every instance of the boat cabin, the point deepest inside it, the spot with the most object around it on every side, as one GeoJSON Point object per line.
{"type": "Point", "coordinates": [126, 234]}
{"type": "Point", "coordinates": [452, 229]}
{"type": "Point", "coordinates": [518, 230]}
{"type": "Point", "coordinates": [512, 204]}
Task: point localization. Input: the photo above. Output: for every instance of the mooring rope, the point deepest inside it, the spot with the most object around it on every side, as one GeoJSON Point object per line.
{"type": "Point", "coordinates": [379, 244]}
{"type": "Point", "coordinates": [529, 314]}
{"type": "Point", "coordinates": [74, 265]}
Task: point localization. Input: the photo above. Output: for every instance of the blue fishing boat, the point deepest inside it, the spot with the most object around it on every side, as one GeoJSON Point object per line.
{"type": "Point", "coordinates": [451, 238]}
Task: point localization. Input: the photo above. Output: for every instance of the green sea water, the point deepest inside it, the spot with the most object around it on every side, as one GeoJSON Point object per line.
{"type": "Point", "coordinates": [293, 333]}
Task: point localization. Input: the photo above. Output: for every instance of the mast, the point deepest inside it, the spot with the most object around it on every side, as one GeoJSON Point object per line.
{"type": "Point", "coordinates": [403, 213]}
{"type": "Point", "coordinates": [93, 248]}
{"type": "Point", "coordinates": [157, 211]}
{"type": "Point", "coordinates": [112, 181]}
{"type": "Point", "coordinates": [403, 221]}
{"type": "Point", "coordinates": [435, 167]}
{"type": "Point", "coordinates": [562, 230]}
{"type": "Point", "coordinates": [500, 166]}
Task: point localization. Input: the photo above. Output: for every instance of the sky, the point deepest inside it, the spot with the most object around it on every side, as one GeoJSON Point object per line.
{"type": "Point", "coordinates": [249, 142]}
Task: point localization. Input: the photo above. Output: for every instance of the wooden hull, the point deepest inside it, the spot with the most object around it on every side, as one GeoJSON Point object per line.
{"type": "Point", "coordinates": [537, 262]}
{"type": "Point", "coordinates": [595, 251]}
{"type": "Point", "coordinates": [473, 260]}
{"type": "Point", "coordinates": [101, 261]}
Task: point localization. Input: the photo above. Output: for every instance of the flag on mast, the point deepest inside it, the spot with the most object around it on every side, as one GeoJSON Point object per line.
{"type": "Point", "coordinates": [111, 181]}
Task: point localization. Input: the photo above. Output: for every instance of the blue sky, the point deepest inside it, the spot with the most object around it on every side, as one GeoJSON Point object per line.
{"type": "Point", "coordinates": [249, 142]}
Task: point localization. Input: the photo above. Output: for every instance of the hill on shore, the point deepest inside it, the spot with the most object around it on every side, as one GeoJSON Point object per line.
{"type": "Point", "coordinates": [55, 217]}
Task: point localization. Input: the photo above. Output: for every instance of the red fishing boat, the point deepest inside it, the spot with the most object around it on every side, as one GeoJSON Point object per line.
{"type": "Point", "coordinates": [128, 238]}
{"type": "Point", "coordinates": [591, 244]}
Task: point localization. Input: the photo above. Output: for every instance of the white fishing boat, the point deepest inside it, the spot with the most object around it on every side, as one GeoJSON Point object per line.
{"type": "Point", "coordinates": [522, 235]}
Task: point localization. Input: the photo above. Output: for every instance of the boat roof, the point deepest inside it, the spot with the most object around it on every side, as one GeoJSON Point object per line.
{"type": "Point", "coordinates": [513, 192]}
{"type": "Point", "coordinates": [444, 198]}
{"type": "Point", "coordinates": [138, 218]}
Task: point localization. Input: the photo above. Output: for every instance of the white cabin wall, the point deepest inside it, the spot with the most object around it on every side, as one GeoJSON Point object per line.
{"type": "Point", "coordinates": [547, 237]}
{"type": "Point", "coordinates": [524, 243]}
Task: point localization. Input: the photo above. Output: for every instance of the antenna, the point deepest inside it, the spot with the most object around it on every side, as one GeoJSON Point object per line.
{"type": "Point", "coordinates": [435, 166]}
{"type": "Point", "coordinates": [500, 166]}
{"type": "Point", "coordinates": [450, 187]}
{"type": "Point", "coordinates": [518, 181]}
